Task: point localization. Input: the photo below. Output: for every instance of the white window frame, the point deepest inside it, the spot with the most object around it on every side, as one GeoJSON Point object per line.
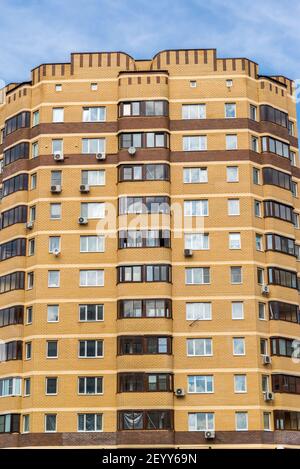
{"type": "Point", "coordinates": [188, 173]}
{"type": "Point", "coordinates": [99, 173]}
{"type": "Point", "coordinates": [236, 390]}
{"type": "Point", "coordinates": [234, 342]}
{"type": "Point", "coordinates": [99, 273]}
{"type": "Point", "coordinates": [234, 240]}
{"type": "Point", "coordinates": [87, 113]}
{"type": "Point", "coordinates": [230, 179]}
{"type": "Point", "coordinates": [196, 241]}
{"type": "Point", "coordinates": [187, 111]}
{"type": "Point", "coordinates": [205, 347]}
{"type": "Point", "coordinates": [231, 142]}
{"type": "Point", "coordinates": [50, 431]}
{"type": "Point", "coordinates": [95, 420]}
{"type": "Point", "coordinates": [87, 239]}
{"type": "Point", "coordinates": [236, 422]}
{"type": "Point", "coordinates": [196, 208]}
{"type": "Point", "coordinates": [236, 213]}
{"type": "Point", "coordinates": [206, 379]}
{"type": "Point", "coordinates": [193, 271]}
{"type": "Point", "coordinates": [58, 114]}
{"type": "Point", "coordinates": [48, 308]}
{"type": "Point", "coordinates": [194, 142]}
{"type": "Point", "coordinates": [193, 426]}
{"type": "Point", "coordinates": [100, 143]}
{"type": "Point", "coordinates": [233, 303]}
{"type": "Point", "coordinates": [57, 284]}
{"type": "Point", "coordinates": [204, 313]}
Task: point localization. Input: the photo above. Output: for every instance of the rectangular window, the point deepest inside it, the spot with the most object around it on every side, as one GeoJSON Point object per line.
{"type": "Point", "coordinates": [90, 385]}
{"type": "Point", "coordinates": [230, 110]}
{"type": "Point", "coordinates": [56, 177]}
{"type": "Point", "coordinates": [92, 243]}
{"type": "Point", "coordinates": [35, 150]}
{"type": "Point", "coordinates": [199, 347]}
{"type": "Point", "coordinates": [94, 114]}
{"type": "Point", "coordinates": [29, 315]}
{"type": "Point", "coordinates": [30, 280]}
{"type": "Point", "coordinates": [253, 112]}
{"type": "Point", "coordinates": [58, 114]}
{"type": "Point", "coordinates": [239, 346]}
{"type": "Point", "coordinates": [236, 275]}
{"type": "Point", "coordinates": [257, 208]}
{"type": "Point", "coordinates": [91, 278]}
{"type": "Point", "coordinates": [52, 313]}
{"type": "Point", "coordinates": [10, 387]}
{"type": "Point", "coordinates": [54, 243]}
{"type": "Point", "coordinates": [267, 421]}
{"type": "Point", "coordinates": [50, 423]}
{"type": "Point", "coordinates": [261, 311]}
{"type": "Point", "coordinates": [196, 208]}
{"type": "Point", "coordinates": [231, 142]}
{"type": "Point", "coordinates": [233, 207]}
{"type": "Point", "coordinates": [93, 145]}
{"type": "Point", "coordinates": [57, 146]}
{"type": "Point", "coordinates": [240, 384]}
{"type": "Point", "coordinates": [93, 177]}
{"type": "Point", "coordinates": [254, 144]}
{"type": "Point", "coordinates": [33, 181]}
{"type": "Point", "coordinates": [52, 349]}
{"type": "Point", "coordinates": [232, 173]}
{"type": "Point", "coordinates": [35, 118]}
{"type": "Point", "coordinates": [26, 423]}
{"type": "Point", "coordinates": [91, 349]}
{"type": "Point", "coordinates": [27, 387]}
{"type": "Point", "coordinates": [93, 210]}
{"type": "Point", "coordinates": [193, 111]}
{"type": "Point", "coordinates": [196, 241]}
{"type": "Point", "coordinates": [58, 87]}
{"type": "Point", "coordinates": [256, 176]}
{"type": "Point", "coordinates": [51, 386]}
{"type": "Point", "coordinates": [53, 278]}
{"type": "Point", "coordinates": [200, 384]}
{"type": "Point", "coordinates": [55, 211]}
{"type": "Point", "coordinates": [241, 421]}
{"type": "Point", "coordinates": [201, 422]}
{"type": "Point", "coordinates": [195, 143]}
{"type": "Point", "coordinates": [237, 310]}
{"type": "Point", "coordinates": [31, 247]}
{"type": "Point", "coordinates": [197, 276]}
{"type": "Point", "coordinates": [234, 240]}
{"type": "Point", "coordinates": [260, 276]}
{"type": "Point", "coordinates": [198, 311]}
{"type": "Point", "coordinates": [28, 350]}
{"type": "Point", "coordinates": [91, 312]}
{"type": "Point", "coordinates": [259, 242]}
{"type": "Point", "coordinates": [195, 175]}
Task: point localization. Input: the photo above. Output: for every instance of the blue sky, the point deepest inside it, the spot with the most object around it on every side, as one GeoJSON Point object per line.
{"type": "Point", "coordinates": [35, 31]}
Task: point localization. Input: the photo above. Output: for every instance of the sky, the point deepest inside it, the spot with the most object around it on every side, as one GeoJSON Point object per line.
{"type": "Point", "coordinates": [38, 31]}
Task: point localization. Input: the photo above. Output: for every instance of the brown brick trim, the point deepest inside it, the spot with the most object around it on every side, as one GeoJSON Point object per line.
{"type": "Point", "coordinates": [128, 123]}
{"type": "Point", "coordinates": [140, 438]}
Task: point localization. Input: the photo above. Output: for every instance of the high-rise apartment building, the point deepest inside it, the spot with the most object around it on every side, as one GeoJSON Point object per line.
{"type": "Point", "coordinates": [149, 254]}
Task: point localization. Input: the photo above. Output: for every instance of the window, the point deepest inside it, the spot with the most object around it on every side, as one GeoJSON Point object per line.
{"type": "Point", "coordinates": [193, 84]}
{"type": "Point", "coordinates": [93, 145]}
{"type": "Point", "coordinates": [155, 204]}
{"type": "Point", "coordinates": [11, 315]}
{"type": "Point", "coordinates": [254, 144]}
{"type": "Point", "coordinates": [55, 211]}
{"type": "Point", "coordinates": [91, 349]}
{"type": "Point", "coordinates": [265, 383]}
{"type": "Point", "coordinates": [194, 175]}
{"type": "Point", "coordinates": [286, 383]}
{"type": "Point", "coordinates": [196, 208]}
{"type": "Point", "coordinates": [54, 243]}
{"type": "Point", "coordinates": [196, 241]}
{"type": "Point", "coordinates": [277, 178]}
{"type": "Point", "coordinates": [90, 422]}
{"type": "Point", "coordinates": [51, 386]}
{"type": "Point", "coordinates": [234, 240]}
{"type": "Point", "coordinates": [35, 118]}
{"type": "Point", "coordinates": [279, 243]}
{"type": "Point", "coordinates": [232, 173]}
{"type": "Point", "coordinates": [200, 384]}
{"type": "Point", "coordinates": [91, 278]}
{"type": "Point", "coordinates": [90, 385]}
{"type": "Point", "coordinates": [267, 421]}
{"type": "Point", "coordinates": [259, 242]}
{"type": "Point", "coordinates": [279, 310]}
{"type": "Point", "coordinates": [53, 278]}
{"type": "Point", "coordinates": [237, 310]}
{"type": "Point", "coordinates": [57, 146]}
{"type": "Point", "coordinates": [233, 207]}
{"type": "Point", "coordinates": [16, 247]}
{"type": "Point", "coordinates": [14, 215]}
{"type": "Point", "coordinates": [257, 208]}
{"type": "Point", "coordinates": [236, 275]}
{"type": "Point", "coordinates": [260, 276]}
{"type": "Point", "coordinates": [11, 350]}
{"type": "Point", "coordinates": [94, 86]}
{"type": "Point", "coordinates": [29, 313]}
{"type": "Point", "coordinates": [143, 108]}
{"type": "Point", "coordinates": [16, 122]}
{"type": "Point", "coordinates": [91, 312]}
{"type": "Point", "coordinates": [195, 143]}
{"type": "Point", "coordinates": [238, 346]}
{"type": "Point", "coordinates": [231, 142]}
{"type": "Point", "coordinates": [291, 128]}
{"type": "Point", "coordinates": [30, 280]}
{"type": "Point", "coordinates": [144, 238]}
{"type": "Point", "coordinates": [27, 387]}
{"type": "Point", "coordinates": [58, 114]}
{"type": "Point", "coordinates": [93, 177]}
{"type": "Point", "coordinates": [284, 347]}
{"type": "Point", "coordinates": [240, 383]}
{"type": "Point", "coordinates": [91, 243]}
{"type": "Point", "coordinates": [26, 423]}
{"type": "Point", "coordinates": [229, 83]}
{"type": "Point", "coordinates": [241, 421]}
{"type": "Point", "coordinates": [33, 181]}
{"type": "Point", "coordinates": [144, 273]}
{"type": "Point", "coordinates": [197, 276]}
{"type": "Point", "coordinates": [256, 176]}
{"type": "Point", "coordinates": [294, 189]}
{"type": "Point", "coordinates": [13, 281]}
{"type": "Point", "coordinates": [10, 387]}
{"type": "Point", "coordinates": [93, 210]}
{"type": "Point", "coordinates": [145, 382]}
{"type": "Point", "coordinates": [137, 345]}
{"type": "Point", "coordinates": [292, 158]}
{"type": "Point", "coordinates": [193, 111]}
{"type": "Point", "coordinates": [199, 347]}
{"type": "Point", "coordinates": [145, 420]}
{"type": "Point", "coordinates": [56, 178]}
{"type": "Point", "coordinates": [145, 172]}
{"type": "Point", "coordinates": [201, 422]}
{"type": "Point", "coordinates": [52, 349]}
{"type": "Point", "coordinates": [263, 345]}
{"type": "Point", "coordinates": [52, 313]}
{"type": "Point", "coordinates": [282, 277]}
{"type": "Point", "coordinates": [94, 114]}
{"type": "Point", "coordinates": [10, 423]}
{"type": "Point", "coordinates": [253, 112]}
{"type": "Point", "coordinates": [271, 114]}
{"type": "Point", "coordinates": [28, 349]}
{"type": "Point", "coordinates": [17, 152]}
{"type": "Point", "coordinates": [50, 423]}
{"type": "Point", "coordinates": [230, 110]}
{"type": "Point", "coordinates": [35, 150]}
{"type": "Point", "coordinates": [58, 87]}
{"type": "Point", "coordinates": [15, 184]}
{"type": "Point", "coordinates": [273, 145]}
{"type": "Point", "coordinates": [154, 308]}
{"type": "Point", "coordinates": [198, 311]}
{"type": "Point", "coordinates": [261, 311]}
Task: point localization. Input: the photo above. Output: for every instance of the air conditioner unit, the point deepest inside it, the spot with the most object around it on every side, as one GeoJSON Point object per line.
{"type": "Point", "coordinates": [56, 252]}
{"type": "Point", "coordinates": [132, 151]}
{"type": "Point", "coordinates": [265, 289]}
{"type": "Point", "coordinates": [84, 188]}
{"type": "Point", "coordinates": [266, 359]}
{"type": "Point", "coordinates": [29, 225]}
{"type": "Point", "coordinates": [188, 253]}
{"type": "Point", "coordinates": [268, 396]}
{"type": "Point", "coordinates": [179, 392]}
{"type": "Point", "coordinates": [55, 189]}
{"type": "Point", "coordinates": [82, 220]}
{"type": "Point", "coordinates": [209, 435]}
{"type": "Point", "coordinates": [100, 156]}
{"type": "Point", "coordinates": [58, 157]}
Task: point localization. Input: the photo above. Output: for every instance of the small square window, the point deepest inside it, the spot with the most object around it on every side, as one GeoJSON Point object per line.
{"type": "Point", "coordinates": [193, 84]}
{"type": "Point", "coordinates": [94, 86]}
{"type": "Point", "coordinates": [58, 87]}
{"type": "Point", "coordinates": [229, 83]}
